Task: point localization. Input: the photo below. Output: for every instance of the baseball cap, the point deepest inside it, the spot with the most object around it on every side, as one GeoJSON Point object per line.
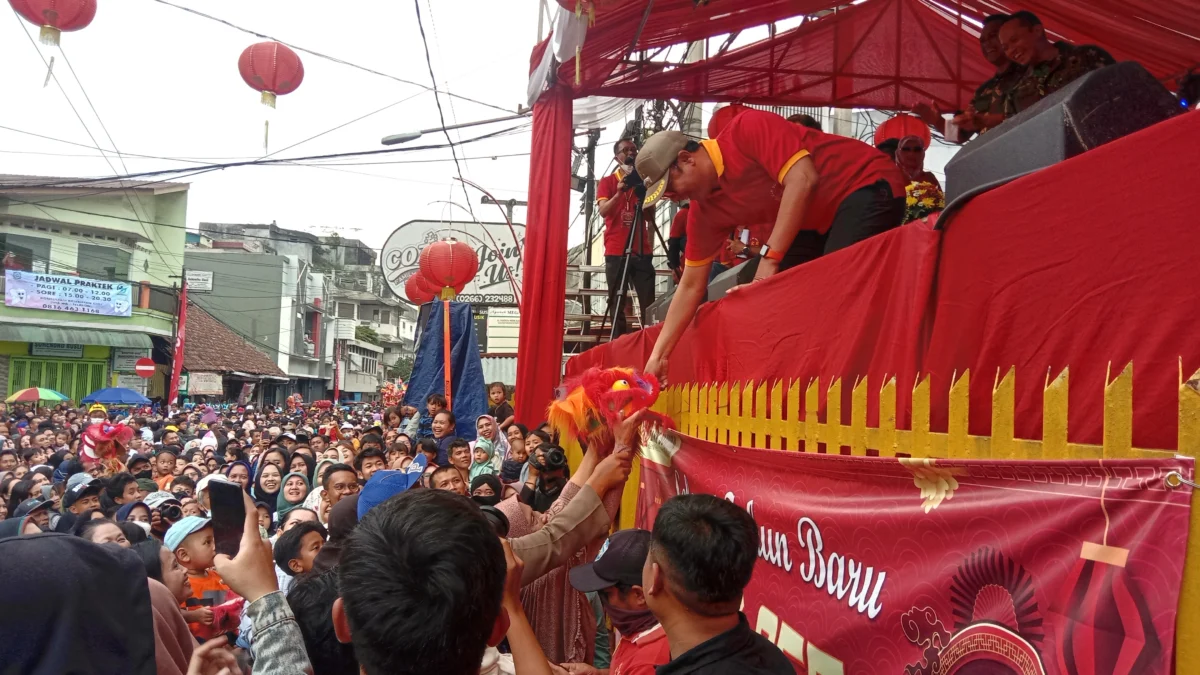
{"type": "Point", "coordinates": [180, 531]}
{"type": "Point", "coordinates": [156, 499]}
{"type": "Point", "coordinates": [78, 478]}
{"type": "Point", "coordinates": [29, 506]}
{"type": "Point", "coordinates": [620, 561]}
{"type": "Point", "coordinates": [654, 161]}
{"type": "Point", "coordinates": [81, 490]}
{"type": "Point", "coordinates": [147, 485]}
{"type": "Point", "coordinates": [386, 484]}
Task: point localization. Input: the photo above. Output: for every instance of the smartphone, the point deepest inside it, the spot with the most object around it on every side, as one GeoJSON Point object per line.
{"type": "Point", "coordinates": [228, 516]}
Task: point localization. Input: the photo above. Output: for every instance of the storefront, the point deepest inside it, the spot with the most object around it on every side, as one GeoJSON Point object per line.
{"type": "Point", "coordinates": [72, 362]}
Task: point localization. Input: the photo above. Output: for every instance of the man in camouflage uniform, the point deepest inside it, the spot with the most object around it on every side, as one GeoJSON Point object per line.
{"type": "Point", "coordinates": [1048, 66]}
{"type": "Point", "coordinates": [989, 97]}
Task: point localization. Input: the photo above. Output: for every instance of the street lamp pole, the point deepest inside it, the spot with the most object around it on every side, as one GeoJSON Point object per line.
{"type": "Point", "coordinates": [396, 139]}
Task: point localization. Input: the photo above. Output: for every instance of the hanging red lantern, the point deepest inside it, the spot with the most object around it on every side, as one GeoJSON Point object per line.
{"type": "Point", "coordinates": [418, 290]}
{"type": "Point", "coordinates": [901, 126]}
{"type": "Point", "coordinates": [272, 68]}
{"type": "Point", "coordinates": [56, 16]}
{"type": "Point", "coordinates": [449, 263]}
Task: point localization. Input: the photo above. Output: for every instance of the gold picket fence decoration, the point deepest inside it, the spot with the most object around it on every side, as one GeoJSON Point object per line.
{"type": "Point", "coordinates": [768, 416]}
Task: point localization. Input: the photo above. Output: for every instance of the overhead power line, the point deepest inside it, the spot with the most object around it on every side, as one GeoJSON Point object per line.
{"type": "Point", "coordinates": [319, 55]}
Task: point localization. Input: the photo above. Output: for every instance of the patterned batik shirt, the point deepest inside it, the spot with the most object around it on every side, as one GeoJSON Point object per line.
{"type": "Point", "coordinates": [989, 97]}
{"type": "Point", "coordinates": [1042, 79]}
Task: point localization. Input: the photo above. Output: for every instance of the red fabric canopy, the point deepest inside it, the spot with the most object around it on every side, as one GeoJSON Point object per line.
{"type": "Point", "coordinates": [1163, 36]}
{"type": "Point", "coordinates": [887, 54]}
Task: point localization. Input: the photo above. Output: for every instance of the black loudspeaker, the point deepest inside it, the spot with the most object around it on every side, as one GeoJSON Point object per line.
{"type": "Point", "coordinates": [1099, 107]}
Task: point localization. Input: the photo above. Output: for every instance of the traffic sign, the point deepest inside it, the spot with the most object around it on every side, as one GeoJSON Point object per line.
{"type": "Point", "coordinates": [144, 367]}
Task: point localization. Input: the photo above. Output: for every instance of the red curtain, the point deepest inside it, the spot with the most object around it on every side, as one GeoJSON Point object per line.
{"type": "Point", "coordinates": [881, 54]}
{"type": "Point", "coordinates": [892, 49]}
{"type": "Point", "coordinates": [1072, 266]}
{"type": "Point", "coordinates": [544, 278]}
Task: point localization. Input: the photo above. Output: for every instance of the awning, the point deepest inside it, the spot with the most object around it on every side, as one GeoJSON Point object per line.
{"type": "Point", "coordinates": [73, 336]}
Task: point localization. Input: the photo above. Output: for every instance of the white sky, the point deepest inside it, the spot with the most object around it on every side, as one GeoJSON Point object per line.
{"type": "Point", "coordinates": [165, 83]}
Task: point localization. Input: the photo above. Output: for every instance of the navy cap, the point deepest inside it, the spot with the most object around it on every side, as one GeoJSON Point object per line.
{"type": "Point", "coordinates": [29, 506]}
{"type": "Point", "coordinates": [386, 484]}
{"type": "Point", "coordinates": [80, 491]}
{"type": "Point", "coordinates": [619, 561]}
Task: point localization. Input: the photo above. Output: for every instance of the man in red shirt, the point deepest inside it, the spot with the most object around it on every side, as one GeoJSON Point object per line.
{"type": "Point", "coordinates": [616, 575]}
{"type": "Point", "coordinates": [823, 192]}
{"type": "Point", "coordinates": [618, 204]}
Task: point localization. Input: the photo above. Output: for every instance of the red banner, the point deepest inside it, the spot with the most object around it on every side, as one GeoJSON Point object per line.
{"type": "Point", "coordinates": [928, 567]}
{"type": "Point", "coordinates": [177, 359]}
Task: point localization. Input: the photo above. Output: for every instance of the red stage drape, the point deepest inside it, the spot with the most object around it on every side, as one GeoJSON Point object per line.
{"type": "Point", "coordinates": [888, 54]}
{"type": "Point", "coordinates": [544, 279]}
{"type": "Point", "coordinates": [1076, 265]}
{"type": "Point", "coordinates": [1162, 35]}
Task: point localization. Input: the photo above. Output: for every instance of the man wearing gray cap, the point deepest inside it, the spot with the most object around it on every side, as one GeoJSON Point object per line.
{"type": "Point", "coordinates": [822, 192]}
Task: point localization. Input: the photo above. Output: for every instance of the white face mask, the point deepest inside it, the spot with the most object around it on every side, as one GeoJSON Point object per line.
{"type": "Point", "coordinates": [144, 526]}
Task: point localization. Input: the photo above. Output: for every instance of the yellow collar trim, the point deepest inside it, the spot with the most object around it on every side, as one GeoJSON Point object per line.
{"type": "Point", "coordinates": [714, 153]}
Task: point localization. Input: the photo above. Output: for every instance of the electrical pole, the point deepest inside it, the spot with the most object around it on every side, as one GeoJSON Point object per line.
{"type": "Point", "coordinates": [508, 204]}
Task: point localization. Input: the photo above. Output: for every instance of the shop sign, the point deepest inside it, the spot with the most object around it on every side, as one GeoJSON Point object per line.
{"type": "Point", "coordinates": [124, 358]}
{"type": "Point", "coordinates": [201, 384]}
{"type": "Point", "coordinates": [494, 243]}
{"type": "Point", "coordinates": [55, 350]}
{"type": "Point", "coordinates": [134, 382]}
{"type": "Point", "coordinates": [62, 293]}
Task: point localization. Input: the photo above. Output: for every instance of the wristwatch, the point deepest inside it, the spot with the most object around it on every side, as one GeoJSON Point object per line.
{"type": "Point", "coordinates": [770, 253]}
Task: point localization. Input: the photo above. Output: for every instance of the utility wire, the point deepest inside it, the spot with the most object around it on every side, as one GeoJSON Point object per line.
{"type": "Point", "coordinates": [441, 115]}
{"type": "Point", "coordinates": [74, 182]}
{"type": "Point", "coordinates": [325, 56]}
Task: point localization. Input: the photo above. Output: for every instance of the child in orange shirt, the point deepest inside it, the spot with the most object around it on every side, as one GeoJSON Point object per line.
{"type": "Point", "coordinates": [191, 541]}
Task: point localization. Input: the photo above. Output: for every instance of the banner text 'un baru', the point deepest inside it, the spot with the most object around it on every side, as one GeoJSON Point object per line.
{"type": "Point", "coordinates": [927, 567]}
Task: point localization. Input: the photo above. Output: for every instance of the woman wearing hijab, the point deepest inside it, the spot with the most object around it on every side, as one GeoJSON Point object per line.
{"type": "Point", "coordinates": [238, 472]}
{"type": "Point", "coordinates": [485, 427]}
{"type": "Point", "coordinates": [910, 157]}
{"type": "Point", "coordinates": [318, 504]}
{"type": "Point", "coordinates": [267, 484]}
{"type": "Point", "coordinates": [292, 495]}
{"type": "Point", "coordinates": [302, 463]}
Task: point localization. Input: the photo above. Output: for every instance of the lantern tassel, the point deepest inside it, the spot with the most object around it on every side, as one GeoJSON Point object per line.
{"type": "Point", "coordinates": [268, 98]}
{"type": "Point", "coordinates": [50, 36]}
{"type": "Point", "coordinates": [266, 134]}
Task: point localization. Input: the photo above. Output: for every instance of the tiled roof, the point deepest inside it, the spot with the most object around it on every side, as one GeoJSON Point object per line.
{"type": "Point", "coordinates": [211, 347]}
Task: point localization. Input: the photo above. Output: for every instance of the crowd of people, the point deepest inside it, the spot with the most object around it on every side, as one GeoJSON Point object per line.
{"type": "Point", "coordinates": [376, 540]}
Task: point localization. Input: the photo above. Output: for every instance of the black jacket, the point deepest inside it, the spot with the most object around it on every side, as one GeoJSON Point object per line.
{"type": "Point", "coordinates": [738, 651]}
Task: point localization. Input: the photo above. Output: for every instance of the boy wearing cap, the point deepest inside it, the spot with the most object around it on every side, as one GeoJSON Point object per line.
{"type": "Point", "coordinates": [83, 496]}
{"type": "Point", "coordinates": [616, 575]}
{"type": "Point", "coordinates": [191, 542]}
{"type": "Point", "coordinates": [822, 192]}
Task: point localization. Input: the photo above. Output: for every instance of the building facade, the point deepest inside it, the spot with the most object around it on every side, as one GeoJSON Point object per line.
{"type": "Point", "coordinates": [90, 276]}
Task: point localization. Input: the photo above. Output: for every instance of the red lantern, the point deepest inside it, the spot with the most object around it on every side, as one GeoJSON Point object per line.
{"type": "Point", "coordinates": [56, 16]}
{"type": "Point", "coordinates": [418, 291]}
{"type": "Point", "coordinates": [272, 68]}
{"type": "Point", "coordinates": [449, 263]}
{"type": "Point", "coordinates": [902, 126]}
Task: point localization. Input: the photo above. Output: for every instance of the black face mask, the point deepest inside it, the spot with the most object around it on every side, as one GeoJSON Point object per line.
{"type": "Point", "coordinates": [627, 621]}
{"type": "Point", "coordinates": [144, 474]}
{"type": "Point", "coordinates": [487, 501]}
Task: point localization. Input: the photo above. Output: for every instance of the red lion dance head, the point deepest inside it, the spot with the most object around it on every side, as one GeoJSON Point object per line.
{"type": "Point", "coordinates": [589, 406]}
{"type": "Point", "coordinates": [104, 444]}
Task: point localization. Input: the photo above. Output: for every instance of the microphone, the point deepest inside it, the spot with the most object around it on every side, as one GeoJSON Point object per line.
{"type": "Point", "coordinates": [632, 179]}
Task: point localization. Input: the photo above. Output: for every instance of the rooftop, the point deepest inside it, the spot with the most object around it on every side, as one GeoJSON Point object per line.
{"type": "Point", "coordinates": [211, 347]}
{"type": "Point", "coordinates": [20, 183]}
